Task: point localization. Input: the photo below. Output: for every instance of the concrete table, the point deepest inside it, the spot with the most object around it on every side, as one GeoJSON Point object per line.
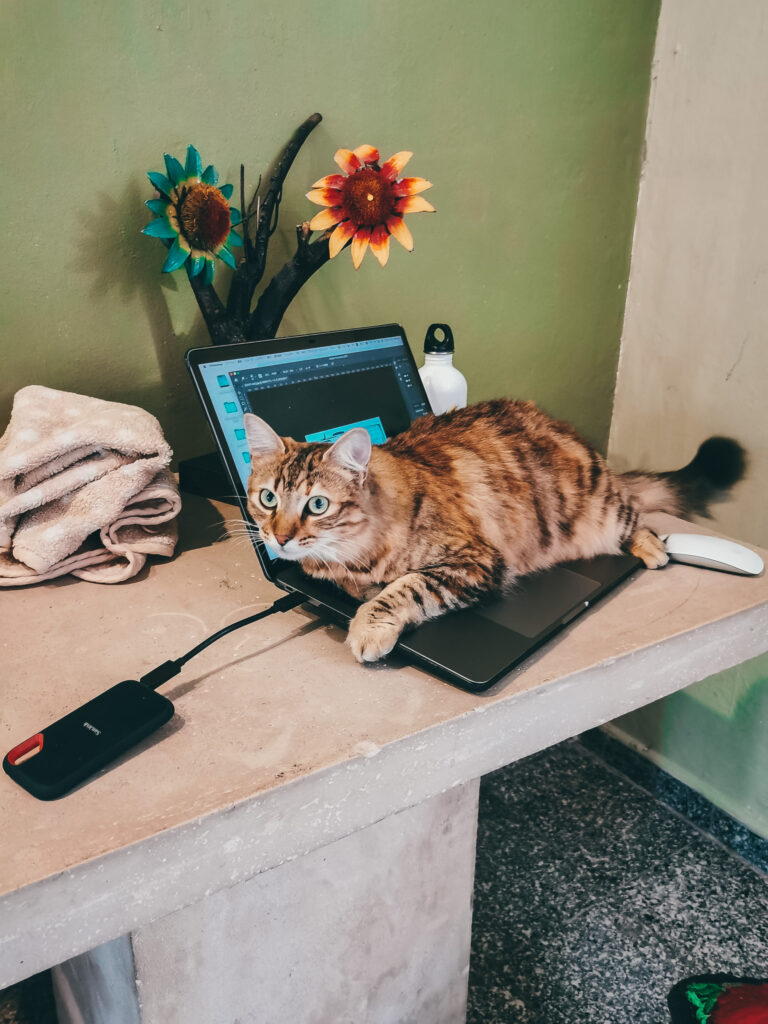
{"type": "Point", "coordinates": [297, 844]}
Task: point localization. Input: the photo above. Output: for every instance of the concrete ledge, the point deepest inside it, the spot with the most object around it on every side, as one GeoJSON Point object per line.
{"type": "Point", "coordinates": [111, 895]}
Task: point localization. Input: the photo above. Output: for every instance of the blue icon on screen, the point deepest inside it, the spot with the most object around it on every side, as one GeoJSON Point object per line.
{"type": "Point", "coordinates": [374, 426]}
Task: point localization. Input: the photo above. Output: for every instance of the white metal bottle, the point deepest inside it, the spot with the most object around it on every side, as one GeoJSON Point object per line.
{"type": "Point", "coordinates": [446, 386]}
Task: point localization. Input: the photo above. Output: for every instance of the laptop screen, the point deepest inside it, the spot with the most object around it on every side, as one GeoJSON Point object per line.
{"type": "Point", "coordinates": [314, 393]}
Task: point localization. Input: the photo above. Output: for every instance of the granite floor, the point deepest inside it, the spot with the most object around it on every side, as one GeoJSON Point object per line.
{"type": "Point", "coordinates": [592, 899]}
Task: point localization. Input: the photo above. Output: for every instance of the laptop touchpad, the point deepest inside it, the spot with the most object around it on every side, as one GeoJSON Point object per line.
{"type": "Point", "coordinates": [538, 601]}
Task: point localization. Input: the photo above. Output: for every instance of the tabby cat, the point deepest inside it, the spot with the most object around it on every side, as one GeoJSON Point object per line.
{"type": "Point", "coordinates": [458, 506]}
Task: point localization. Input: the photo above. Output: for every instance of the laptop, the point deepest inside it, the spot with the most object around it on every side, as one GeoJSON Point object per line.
{"type": "Point", "coordinates": [314, 388]}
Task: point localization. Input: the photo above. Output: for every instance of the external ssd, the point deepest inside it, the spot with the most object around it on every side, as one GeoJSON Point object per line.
{"type": "Point", "coordinates": [59, 757]}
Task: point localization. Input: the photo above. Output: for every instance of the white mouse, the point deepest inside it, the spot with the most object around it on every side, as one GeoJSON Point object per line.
{"type": "Point", "coordinates": [712, 553]}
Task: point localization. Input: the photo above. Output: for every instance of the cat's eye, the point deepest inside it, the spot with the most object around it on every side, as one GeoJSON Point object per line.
{"type": "Point", "coordinates": [267, 498]}
{"type": "Point", "coordinates": [318, 504]}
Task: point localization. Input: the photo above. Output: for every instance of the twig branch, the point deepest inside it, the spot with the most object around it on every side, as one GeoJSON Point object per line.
{"type": "Point", "coordinates": [282, 289]}
{"type": "Point", "coordinates": [244, 213]}
{"type": "Point", "coordinates": [255, 198]}
{"type": "Point", "coordinates": [221, 327]}
{"type": "Point", "coordinates": [251, 270]}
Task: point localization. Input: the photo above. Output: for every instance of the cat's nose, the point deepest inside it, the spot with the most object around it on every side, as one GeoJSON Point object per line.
{"type": "Point", "coordinates": [283, 538]}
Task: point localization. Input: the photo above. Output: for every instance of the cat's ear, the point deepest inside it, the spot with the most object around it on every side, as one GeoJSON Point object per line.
{"type": "Point", "coordinates": [261, 438]}
{"type": "Point", "coordinates": [352, 450]}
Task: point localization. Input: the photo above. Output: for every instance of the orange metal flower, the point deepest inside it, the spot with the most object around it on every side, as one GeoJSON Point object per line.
{"type": "Point", "coordinates": [367, 203]}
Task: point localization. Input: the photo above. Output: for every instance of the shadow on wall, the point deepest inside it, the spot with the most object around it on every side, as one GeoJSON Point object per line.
{"type": "Point", "coordinates": [122, 262]}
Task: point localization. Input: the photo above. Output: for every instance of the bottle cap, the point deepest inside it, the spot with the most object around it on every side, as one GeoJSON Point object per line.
{"type": "Point", "coordinates": [439, 338]}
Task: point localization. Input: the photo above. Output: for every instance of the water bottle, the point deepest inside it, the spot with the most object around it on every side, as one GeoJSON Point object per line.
{"type": "Point", "coordinates": [446, 387]}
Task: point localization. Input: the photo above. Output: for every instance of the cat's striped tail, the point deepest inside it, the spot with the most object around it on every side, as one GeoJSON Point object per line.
{"type": "Point", "coordinates": [716, 467]}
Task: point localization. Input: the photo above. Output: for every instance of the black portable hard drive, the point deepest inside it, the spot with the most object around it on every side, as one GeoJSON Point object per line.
{"type": "Point", "coordinates": [59, 757]}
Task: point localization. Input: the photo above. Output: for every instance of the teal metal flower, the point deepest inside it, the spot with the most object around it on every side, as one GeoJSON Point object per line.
{"type": "Point", "coordinates": [193, 216]}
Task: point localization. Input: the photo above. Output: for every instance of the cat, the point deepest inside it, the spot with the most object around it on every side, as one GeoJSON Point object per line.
{"type": "Point", "coordinates": [457, 507]}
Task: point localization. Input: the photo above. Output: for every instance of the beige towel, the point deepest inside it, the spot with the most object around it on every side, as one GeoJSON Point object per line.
{"type": "Point", "coordinates": [83, 489]}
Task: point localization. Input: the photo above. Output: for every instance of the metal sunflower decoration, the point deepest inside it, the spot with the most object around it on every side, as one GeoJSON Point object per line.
{"type": "Point", "coordinates": [195, 215]}
{"type": "Point", "coordinates": [364, 207]}
{"type": "Point", "coordinates": [367, 203]}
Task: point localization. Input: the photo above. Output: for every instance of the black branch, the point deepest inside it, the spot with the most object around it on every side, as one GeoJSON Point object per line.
{"type": "Point", "coordinates": [251, 269]}
{"type": "Point", "coordinates": [222, 328]}
{"type": "Point", "coordinates": [284, 286]}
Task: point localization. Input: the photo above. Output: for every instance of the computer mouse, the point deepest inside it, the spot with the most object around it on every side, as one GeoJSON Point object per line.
{"type": "Point", "coordinates": [712, 553]}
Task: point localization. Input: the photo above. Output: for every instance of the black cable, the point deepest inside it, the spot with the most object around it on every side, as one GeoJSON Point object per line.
{"type": "Point", "coordinates": [157, 676]}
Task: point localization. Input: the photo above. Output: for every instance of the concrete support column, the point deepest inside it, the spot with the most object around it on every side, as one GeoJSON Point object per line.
{"type": "Point", "coordinates": [372, 929]}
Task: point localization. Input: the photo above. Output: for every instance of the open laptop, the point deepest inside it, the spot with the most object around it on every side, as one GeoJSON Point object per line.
{"type": "Point", "coordinates": [315, 387]}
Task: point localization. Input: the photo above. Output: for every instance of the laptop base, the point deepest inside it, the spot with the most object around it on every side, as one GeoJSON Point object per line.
{"type": "Point", "coordinates": [475, 647]}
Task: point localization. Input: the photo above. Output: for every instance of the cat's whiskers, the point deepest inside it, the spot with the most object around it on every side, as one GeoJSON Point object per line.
{"type": "Point", "coordinates": [242, 538]}
{"type": "Point", "coordinates": [355, 556]}
{"type": "Point", "coordinates": [349, 561]}
{"type": "Point", "coordinates": [318, 557]}
{"type": "Point", "coordinates": [243, 528]}
{"type": "Point", "coordinates": [242, 543]}
{"type": "Point", "coordinates": [242, 522]}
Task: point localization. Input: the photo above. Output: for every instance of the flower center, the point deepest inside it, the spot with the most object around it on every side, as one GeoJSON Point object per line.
{"type": "Point", "coordinates": [204, 216]}
{"type": "Point", "coordinates": [368, 197]}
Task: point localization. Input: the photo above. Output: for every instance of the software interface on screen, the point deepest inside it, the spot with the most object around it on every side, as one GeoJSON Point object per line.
{"type": "Point", "coordinates": [316, 394]}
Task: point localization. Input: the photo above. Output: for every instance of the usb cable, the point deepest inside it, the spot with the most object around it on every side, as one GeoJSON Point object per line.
{"type": "Point", "coordinates": [157, 676]}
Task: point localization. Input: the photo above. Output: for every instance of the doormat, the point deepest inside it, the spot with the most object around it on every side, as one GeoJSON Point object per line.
{"type": "Point", "coordinates": [719, 999]}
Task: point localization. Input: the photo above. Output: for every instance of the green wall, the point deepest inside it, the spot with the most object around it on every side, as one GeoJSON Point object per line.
{"type": "Point", "coordinates": [712, 736]}
{"type": "Point", "coordinates": [527, 116]}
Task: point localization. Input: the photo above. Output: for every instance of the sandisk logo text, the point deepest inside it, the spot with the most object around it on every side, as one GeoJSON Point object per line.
{"type": "Point", "coordinates": [92, 728]}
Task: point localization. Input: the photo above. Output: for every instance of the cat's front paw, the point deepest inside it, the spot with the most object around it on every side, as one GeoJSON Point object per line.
{"type": "Point", "coordinates": [371, 638]}
{"type": "Point", "coordinates": [646, 545]}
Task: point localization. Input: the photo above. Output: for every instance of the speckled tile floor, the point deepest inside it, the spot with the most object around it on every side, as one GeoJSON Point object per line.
{"type": "Point", "coordinates": [592, 899]}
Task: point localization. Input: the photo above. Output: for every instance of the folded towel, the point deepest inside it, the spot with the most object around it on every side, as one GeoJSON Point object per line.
{"type": "Point", "coordinates": [83, 489]}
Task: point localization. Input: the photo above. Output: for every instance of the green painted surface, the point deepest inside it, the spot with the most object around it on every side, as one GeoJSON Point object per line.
{"type": "Point", "coordinates": [713, 737]}
{"type": "Point", "coordinates": [527, 116]}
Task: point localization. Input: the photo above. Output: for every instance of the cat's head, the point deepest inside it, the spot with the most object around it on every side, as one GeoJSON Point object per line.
{"type": "Point", "coordinates": [307, 498]}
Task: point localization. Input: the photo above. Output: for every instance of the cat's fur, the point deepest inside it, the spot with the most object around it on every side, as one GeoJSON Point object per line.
{"type": "Point", "coordinates": [458, 506]}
